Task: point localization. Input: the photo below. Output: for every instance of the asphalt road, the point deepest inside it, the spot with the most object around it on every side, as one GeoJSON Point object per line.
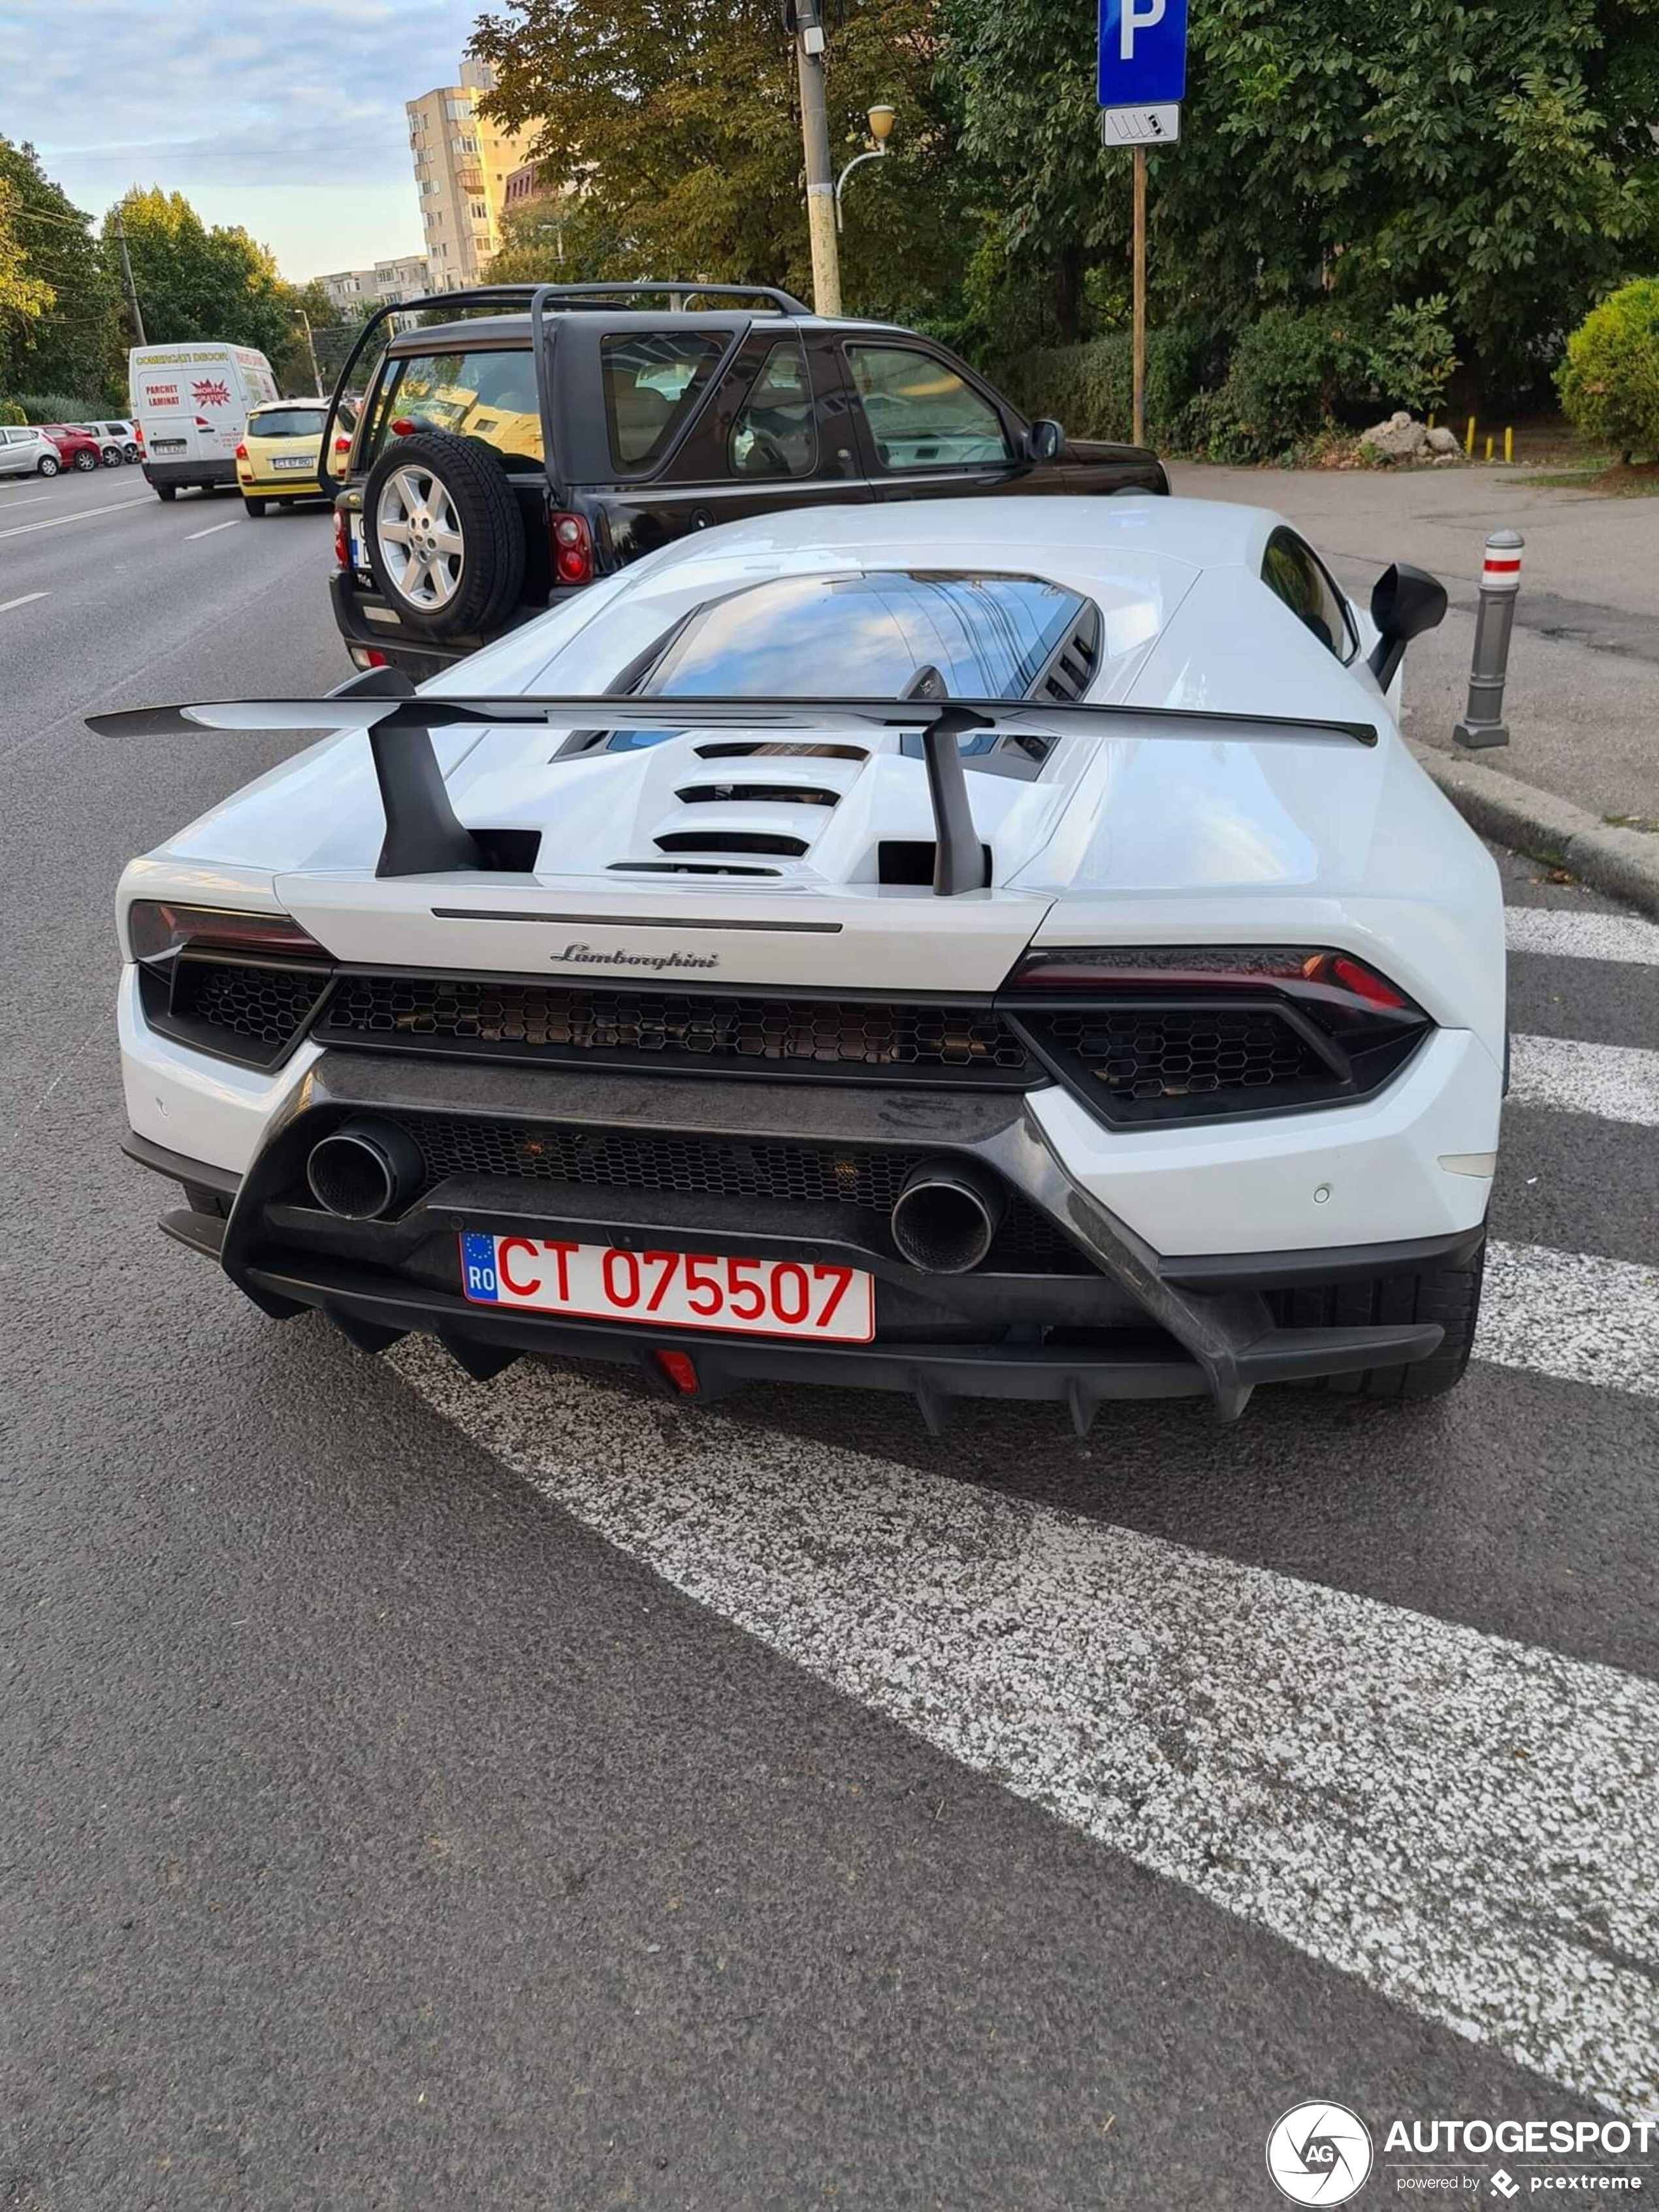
{"type": "Point", "coordinates": [414, 1794]}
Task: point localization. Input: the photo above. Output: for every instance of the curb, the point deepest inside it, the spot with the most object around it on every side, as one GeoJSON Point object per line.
{"type": "Point", "coordinates": [1624, 863]}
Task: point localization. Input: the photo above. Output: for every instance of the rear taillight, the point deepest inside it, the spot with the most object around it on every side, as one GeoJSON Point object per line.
{"type": "Point", "coordinates": [342, 542]}
{"type": "Point", "coordinates": [241, 452]}
{"type": "Point", "coordinates": [1183, 1032]}
{"type": "Point", "coordinates": [573, 549]}
{"type": "Point", "coordinates": [137, 434]}
{"type": "Point", "coordinates": [373, 658]}
{"type": "Point", "coordinates": [343, 445]}
{"type": "Point", "coordinates": [156, 927]}
{"type": "Point", "coordinates": [402, 428]}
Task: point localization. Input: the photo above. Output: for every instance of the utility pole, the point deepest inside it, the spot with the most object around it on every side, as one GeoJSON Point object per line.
{"type": "Point", "coordinates": [820, 178]}
{"type": "Point", "coordinates": [132, 289]}
{"type": "Point", "coordinates": [316, 373]}
{"type": "Point", "coordinates": [1139, 432]}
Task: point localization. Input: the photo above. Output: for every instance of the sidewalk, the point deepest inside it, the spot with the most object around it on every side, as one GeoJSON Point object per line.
{"type": "Point", "coordinates": [1584, 698]}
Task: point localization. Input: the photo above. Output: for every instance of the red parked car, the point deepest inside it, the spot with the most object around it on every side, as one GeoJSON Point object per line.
{"type": "Point", "coordinates": [76, 449]}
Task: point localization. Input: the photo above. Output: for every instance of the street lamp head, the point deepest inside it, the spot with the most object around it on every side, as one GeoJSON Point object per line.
{"type": "Point", "coordinates": [881, 123]}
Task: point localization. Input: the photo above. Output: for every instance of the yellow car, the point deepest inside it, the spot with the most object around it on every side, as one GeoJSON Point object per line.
{"type": "Point", "coordinates": [278, 459]}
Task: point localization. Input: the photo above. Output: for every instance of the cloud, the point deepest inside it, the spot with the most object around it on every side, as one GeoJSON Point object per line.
{"type": "Point", "coordinates": [225, 94]}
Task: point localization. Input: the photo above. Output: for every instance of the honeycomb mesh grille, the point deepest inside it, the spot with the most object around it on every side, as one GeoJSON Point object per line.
{"type": "Point", "coordinates": [266, 1005]}
{"type": "Point", "coordinates": [783, 1034]}
{"type": "Point", "coordinates": [720, 1167]}
{"type": "Point", "coordinates": [1162, 1054]}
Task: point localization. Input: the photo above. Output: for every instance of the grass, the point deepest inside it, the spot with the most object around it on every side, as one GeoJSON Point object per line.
{"type": "Point", "coordinates": [1648, 821]}
{"type": "Point", "coordinates": [1614, 479]}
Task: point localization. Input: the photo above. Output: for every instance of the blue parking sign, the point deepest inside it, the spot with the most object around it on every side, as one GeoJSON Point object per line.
{"type": "Point", "coordinates": [1143, 52]}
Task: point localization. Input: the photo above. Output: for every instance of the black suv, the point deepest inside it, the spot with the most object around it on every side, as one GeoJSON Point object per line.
{"type": "Point", "coordinates": [505, 458]}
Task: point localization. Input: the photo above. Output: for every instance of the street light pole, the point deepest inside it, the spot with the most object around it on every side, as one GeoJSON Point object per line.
{"type": "Point", "coordinates": [316, 373]}
{"type": "Point", "coordinates": [820, 178]}
{"type": "Point", "coordinates": [132, 289]}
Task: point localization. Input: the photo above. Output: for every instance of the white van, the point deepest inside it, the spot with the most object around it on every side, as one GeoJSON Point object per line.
{"type": "Point", "coordinates": [191, 403]}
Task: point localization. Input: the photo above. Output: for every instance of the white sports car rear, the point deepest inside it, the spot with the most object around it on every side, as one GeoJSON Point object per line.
{"type": "Point", "coordinates": [995, 949]}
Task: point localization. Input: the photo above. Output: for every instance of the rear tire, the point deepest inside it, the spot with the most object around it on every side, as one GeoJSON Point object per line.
{"type": "Point", "coordinates": [85, 461]}
{"type": "Point", "coordinates": [1448, 1295]}
{"type": "Point", "coordinates": [132, 453]}
{"type": "Point", "coordinates": [255, 506]}
{"type": "Point", "coordinates": [165, 491]}
{"type": "Point", "coordinates": [463, 491]}
{"type": "Point", "coordinates": [113, 457]}
{"type": "Point", "coordinates": [46, 466]}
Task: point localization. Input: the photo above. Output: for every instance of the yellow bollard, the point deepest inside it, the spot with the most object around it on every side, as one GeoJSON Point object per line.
{"type": "Point", "coordinates": [1508, 445]}
{"type": "Point", "coordinates": [1469, 442]}
{"type": "Point", "coordinates": [1430, 423]}
{"type": "Point", "coordinates": [1489, 447]}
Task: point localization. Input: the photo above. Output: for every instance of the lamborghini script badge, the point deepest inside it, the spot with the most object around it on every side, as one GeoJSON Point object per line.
{"type": "Point", "coordinates": [586, 956]}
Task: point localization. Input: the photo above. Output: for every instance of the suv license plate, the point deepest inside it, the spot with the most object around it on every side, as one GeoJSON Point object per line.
{"type": "Point", "coordinates": [671, 1290]}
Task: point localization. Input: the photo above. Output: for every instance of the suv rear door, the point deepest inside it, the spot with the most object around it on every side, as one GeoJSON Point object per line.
{"type": "Point", "coordinates": [769, 429]}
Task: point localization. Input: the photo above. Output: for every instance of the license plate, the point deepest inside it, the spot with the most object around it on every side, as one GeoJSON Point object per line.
{"type": "Point", "coordinates": [355, 533]}
{"type": "Point", "coordinates": [671, 1290]}
{"type": "Point", "coordinates": [293, 461]}
{"type": "Point", "coordinates": [167, 444]}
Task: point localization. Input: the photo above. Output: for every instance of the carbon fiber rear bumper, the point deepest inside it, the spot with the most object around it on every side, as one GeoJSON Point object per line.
{"type": "Point", "coordinates": [1121, 1322]}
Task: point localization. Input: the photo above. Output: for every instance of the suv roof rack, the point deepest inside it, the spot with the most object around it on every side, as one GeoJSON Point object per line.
{"type": "Point", "coordinates": [538, 297]}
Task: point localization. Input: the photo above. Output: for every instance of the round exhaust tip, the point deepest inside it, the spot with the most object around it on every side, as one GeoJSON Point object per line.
{"type": "Point", "coordinates": [362, 1169]}
{"type": "Point", "coordinates": [945, 1217]}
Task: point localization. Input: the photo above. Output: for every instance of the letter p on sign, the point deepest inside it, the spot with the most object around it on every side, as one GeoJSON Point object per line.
{"type": "Point", "coordinates": [1143, 52]}
{"type": "Point", "coordinates": [1138, 15]}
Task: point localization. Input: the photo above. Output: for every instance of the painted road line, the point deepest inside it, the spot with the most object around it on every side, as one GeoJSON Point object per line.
{"type": "Point", "coordinates": [39, 498]}
{"type": "Point", "coordinates": [1618, 1082]}
{"type": "Point", "coordinates": [1581, 936]}
{"type": "Point", "coordinates": [28, 600]}
{"type": "Point", "coordinates": [1572, 1316]}
{"type": "Point", "coordinates": [1467, 1823]}
{"type": "Point", "coordinates": [212, 529]}
{"type": "Point", "coordinates": [87, 515]}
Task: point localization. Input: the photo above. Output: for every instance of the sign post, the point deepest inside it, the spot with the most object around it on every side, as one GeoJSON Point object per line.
{"type": "Point", "coordinates": [1141, 80]}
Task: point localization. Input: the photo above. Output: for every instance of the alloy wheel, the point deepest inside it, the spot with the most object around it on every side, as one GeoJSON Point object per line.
{"type": "Point", "coordinates": [420, 538]}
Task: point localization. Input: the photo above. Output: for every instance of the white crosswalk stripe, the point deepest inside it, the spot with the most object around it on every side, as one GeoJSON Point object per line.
{"type": "Point", "coordinates": [1568, 1314]}
{"type": "Point", "coordinates": [1618, 937]}
{"type": "Point", "coordinates": [1466, 1822]}
{"type": "Point", "coordinates": [1618, 1083]}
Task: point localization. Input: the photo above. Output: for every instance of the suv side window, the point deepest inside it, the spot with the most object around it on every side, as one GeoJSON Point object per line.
{"type": "Point", "coordinates": [650, 380]}
{"type": "Point", "coordinates": [1293, 572]}
{"type": "Point", "coordinates": [774, 434]}
{"type": "Point", "coordinates": [921, 414]}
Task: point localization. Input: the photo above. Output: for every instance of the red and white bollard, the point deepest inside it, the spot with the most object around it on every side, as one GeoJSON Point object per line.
{"type": "Point", "coordinates": [1483, 722]}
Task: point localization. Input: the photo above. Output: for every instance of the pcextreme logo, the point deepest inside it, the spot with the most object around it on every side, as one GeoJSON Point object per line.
{"type": "Point", "coordinates": [1319, 2153]}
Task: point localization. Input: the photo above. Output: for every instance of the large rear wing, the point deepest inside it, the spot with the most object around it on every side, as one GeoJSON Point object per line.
{"type": "Point", "coordinates": [424, 837]}
{"type": "Point", "coordinates": [538, 299]}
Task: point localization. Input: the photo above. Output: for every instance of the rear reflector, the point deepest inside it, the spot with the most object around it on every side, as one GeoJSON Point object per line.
{"type": "Point", "coordinates": [342, 542]}
{"type": "Point", "coordinates": [679, 1372]}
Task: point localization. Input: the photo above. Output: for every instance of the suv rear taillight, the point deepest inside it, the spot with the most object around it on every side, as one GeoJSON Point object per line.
{"type": "Point", "coordinates": [342, 542]}
{"type": "Point", "coordinates": [573, 549]}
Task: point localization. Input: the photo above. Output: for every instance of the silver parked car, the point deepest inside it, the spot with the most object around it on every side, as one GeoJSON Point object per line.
{"type": "Point", "coordinates": [28, 452]}
{"type": "Point", "coordinates": [117, 442]}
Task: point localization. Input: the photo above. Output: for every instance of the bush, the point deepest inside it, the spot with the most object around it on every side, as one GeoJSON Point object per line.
{"type": "Point", "coordinates": [1283, 385]}
{"type": "Point", "coordinates": [1408, 361]}
{"type": "Point", "coordinates": [11, 412]}
{"type": "Point", "coordinates": [1091, 388]}
{"type": "Point", "coordinates": [1609, 381]}
{"type": "Point", "coordinates": [58, 407]}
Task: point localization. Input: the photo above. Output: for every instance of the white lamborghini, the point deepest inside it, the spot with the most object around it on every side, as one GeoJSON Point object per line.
{"type": "Point", "coordinates": [999, 948]}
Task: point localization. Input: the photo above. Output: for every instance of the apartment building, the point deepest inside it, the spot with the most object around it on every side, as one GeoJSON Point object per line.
{"type": "Point", "coordinates": [357, 290]}
{"type": "Point", "coordinates": [462, 162]}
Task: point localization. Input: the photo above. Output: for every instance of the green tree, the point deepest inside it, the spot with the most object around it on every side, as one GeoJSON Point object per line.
{"type": "Point", "coordinates": [1364, 151]}
{"type": "Point", "coordinates": [196, 282]}
{"type": "Point", "coordinates": [679, 119]}
{"type": "Point", "coordinates": [1609, 381]}
{"type": "Point", "coordinates": [69, 339]}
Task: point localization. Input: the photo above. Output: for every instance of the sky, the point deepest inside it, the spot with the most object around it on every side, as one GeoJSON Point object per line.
{"type": "Point", "coordinates": [288, 120]}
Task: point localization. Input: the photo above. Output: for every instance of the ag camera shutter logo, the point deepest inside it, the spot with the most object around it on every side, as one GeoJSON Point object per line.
{"type": "Point", "coordinates": [1319, 2153]}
